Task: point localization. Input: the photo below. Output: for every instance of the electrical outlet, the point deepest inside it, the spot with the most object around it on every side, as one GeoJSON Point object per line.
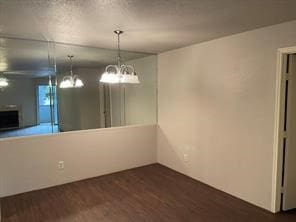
{"type": "Point", "coordinates": [185, 157]}
{"type": "Point", "coordinates": [61, 165]}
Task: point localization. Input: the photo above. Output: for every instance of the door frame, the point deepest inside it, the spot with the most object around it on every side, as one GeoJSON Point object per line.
{"type": "Point", "coordinates": [37, 100]}
{"type": "Point", "coordinates": [37, 103]}
{"type": "Point", "coordinates": [278, 128]}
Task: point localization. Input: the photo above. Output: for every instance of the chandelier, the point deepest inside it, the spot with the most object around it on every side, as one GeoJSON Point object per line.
{"type": "Point", "coordinates": [71, 81]}
{"type": "Point", "coordinates": [119, 73]}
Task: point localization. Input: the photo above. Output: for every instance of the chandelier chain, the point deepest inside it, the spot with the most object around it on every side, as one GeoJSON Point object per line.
{"type": "Point", "coordinates": [118, 49]}
{"type": "Point", "coordinates": [71, 64]}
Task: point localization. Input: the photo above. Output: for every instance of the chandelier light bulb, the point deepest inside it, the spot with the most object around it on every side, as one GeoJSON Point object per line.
{"type": "Point", "coordinates": [3, 81]}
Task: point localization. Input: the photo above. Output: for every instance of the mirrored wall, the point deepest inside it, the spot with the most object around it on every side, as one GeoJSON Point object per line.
{"type": "Point", "coordinates": [32, 101]}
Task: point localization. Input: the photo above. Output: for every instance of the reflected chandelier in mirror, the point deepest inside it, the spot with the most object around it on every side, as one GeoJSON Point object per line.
{"type": "Point", "coordinates": [71, 81]}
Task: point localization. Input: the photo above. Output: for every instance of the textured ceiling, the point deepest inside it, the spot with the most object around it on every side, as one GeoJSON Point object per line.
{"type": "Point", "coordinates": [150, 25]}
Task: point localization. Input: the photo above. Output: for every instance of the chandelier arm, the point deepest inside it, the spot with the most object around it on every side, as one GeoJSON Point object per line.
{"type": "Point", "coordinates": [126, 68]}
{"type": "Point", "coordinates": [132, 68]}
{"type": "Point", "coordinates": [112, 66]}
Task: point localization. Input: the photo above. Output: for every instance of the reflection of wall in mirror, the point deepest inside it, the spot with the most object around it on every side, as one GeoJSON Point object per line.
{"type": "Point", "coordinates": [79, 108]}
{"type": "Point", "coordinates": [116, 107]}
{"type": "Point", "coordinates": [89, 99]}
{"type": "Point", "coordinates": [134, 104]}
{"type": "Point", "coordinates": [21, 92]}
{"type": "Point", "coordinates": [140, 99]}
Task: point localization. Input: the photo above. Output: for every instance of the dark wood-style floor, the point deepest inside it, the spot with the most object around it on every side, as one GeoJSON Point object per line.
{"type": "Point", "coordinates": [150, 193]}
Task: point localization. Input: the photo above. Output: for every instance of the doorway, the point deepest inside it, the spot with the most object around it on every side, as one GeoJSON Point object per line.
{"type": "Point", "coordinates": [284, 172]}
{"type": "Point", "coordinates": [47, 108]}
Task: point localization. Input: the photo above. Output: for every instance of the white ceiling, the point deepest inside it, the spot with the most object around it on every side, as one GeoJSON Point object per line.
{"type": "Point", "coordinates": [150, 25]}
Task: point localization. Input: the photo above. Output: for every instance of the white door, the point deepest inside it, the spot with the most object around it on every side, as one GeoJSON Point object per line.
{"type": "Point", "coordinates": [289, 188]}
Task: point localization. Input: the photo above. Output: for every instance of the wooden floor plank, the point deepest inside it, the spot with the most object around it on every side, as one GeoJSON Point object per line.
{"type": "Point", "coordinates": [150, 193]}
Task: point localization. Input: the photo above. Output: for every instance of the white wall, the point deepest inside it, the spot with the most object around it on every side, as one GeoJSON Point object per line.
{"type": "Point", "coordinates": [217, 104]}
{"type": "Point", "coordinates": [32, 162]}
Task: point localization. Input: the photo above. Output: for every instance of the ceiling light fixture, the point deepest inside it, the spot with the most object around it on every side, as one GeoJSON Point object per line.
{"type": "Point", "coordinates": [119, 73]}
{"type": "Point", "coordinates": [3, 81]}
{"type": "Point", "coordinates": [71, 81]}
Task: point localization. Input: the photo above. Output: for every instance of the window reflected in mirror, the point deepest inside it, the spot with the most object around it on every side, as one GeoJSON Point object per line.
{"type": "Point", "coordinates": [32, 101]}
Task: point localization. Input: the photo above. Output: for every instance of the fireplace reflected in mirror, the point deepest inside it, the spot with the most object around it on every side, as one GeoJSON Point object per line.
{"type": "Point", "coordinates": [9, 119]}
